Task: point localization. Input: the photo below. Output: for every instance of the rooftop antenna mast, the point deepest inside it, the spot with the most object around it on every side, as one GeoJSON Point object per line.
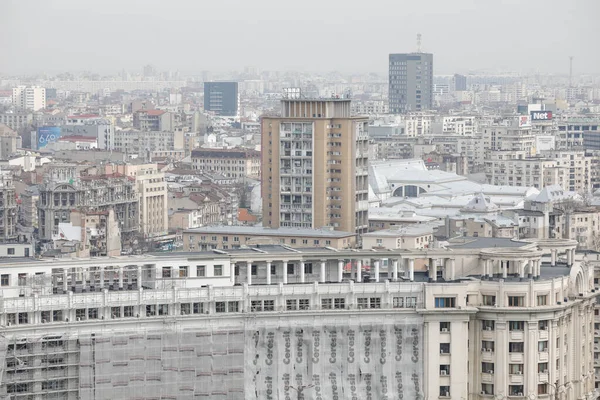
{"type": "Point", "coordinates": [570, 71]}
{"type": "Point", "coordinates": [418, 42]}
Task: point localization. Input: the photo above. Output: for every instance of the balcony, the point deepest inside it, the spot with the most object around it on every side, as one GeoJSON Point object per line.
{"type": "Point", "coordinates": [486, 377]}
{"type": "Point", "coordinates": [544, 335]}
{"type": "Point", "coordinates": [516, 379]}
{"type": "Point", "coordinates": [543, 356]}
{"type": "Point", "coordinates": [488, 335]}
{"type": "Point", "coordinates": [487, 356]}
{"type": "Point", "coordinates": [515, 358]}
{"type": "Point", "coordinates": [516, 336]}
{"type": "Point", "coordinates": [543, 377]}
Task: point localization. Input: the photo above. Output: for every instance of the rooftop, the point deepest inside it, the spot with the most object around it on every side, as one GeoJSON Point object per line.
{"type": "Point", "coordinates": [262, 231]}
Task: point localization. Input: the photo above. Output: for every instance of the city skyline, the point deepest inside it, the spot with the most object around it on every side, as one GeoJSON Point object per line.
{"type": "Point", "coordinates": [463, 35]}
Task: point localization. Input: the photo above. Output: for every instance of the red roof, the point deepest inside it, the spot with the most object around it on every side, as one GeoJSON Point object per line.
{"type": "Point", "coordinates": [153, 112]}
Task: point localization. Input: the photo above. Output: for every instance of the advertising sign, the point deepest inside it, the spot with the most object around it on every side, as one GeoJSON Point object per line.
{"type": "Point", "coordinates": [47, 134]}
{"type": "Point", "coordinates": [541, 116]}
{"type": "Point", "coordinates": [524, 121]}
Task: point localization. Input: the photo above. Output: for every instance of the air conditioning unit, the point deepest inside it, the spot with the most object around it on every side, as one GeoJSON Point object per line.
{"type": "Point", "coordinates": [545, 371]}
{"type": "Point", "coordinates": [443, 372]}
{"type": "Point", "coordinates": [520, 394]}
{"type": "Point", "coordinates": [488, 328]}
{"type": "Point", "coordinates": [482, 393]}
{"type": "Point", "coordinates": [489, 350]}
{"type": "Point", "coordinates": [491, 372]}
{"type": "Point", "coordinates": [519, 372]}
{"type": "Point", "coordinates": [445, 330]}
{"type": "Point", "coordinates": [483, 349]}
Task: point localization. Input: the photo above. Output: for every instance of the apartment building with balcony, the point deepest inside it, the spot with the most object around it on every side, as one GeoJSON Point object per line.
{"type": "Point", "coordinates": [236, 163]}
{"type": "Point", "coordinates": [314, 166]}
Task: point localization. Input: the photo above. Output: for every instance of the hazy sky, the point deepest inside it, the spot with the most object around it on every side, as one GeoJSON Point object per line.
{"type": "Point", "coordinates": [312, 35]}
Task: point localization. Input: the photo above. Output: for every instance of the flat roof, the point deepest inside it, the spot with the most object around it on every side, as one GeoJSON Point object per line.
{"type": "Point", "coordinates": [262, 231]}
{"type": "Point", "coordinates": [469, 242]}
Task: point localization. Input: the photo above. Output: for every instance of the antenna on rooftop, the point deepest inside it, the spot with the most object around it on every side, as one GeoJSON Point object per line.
{"type": "Point", "coordinates": [418, 42]}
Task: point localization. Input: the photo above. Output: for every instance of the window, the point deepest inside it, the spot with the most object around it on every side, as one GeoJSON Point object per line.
{"type": "Point", "coordinates": [256, 305]}
{"type": "Point", "coordinates": [444, 326]}
{"type": "Point", "coordinates": [198, 308]}
{"type": "Point", "coordinates": [57, 315]}
{"type": "Point", "coordinates": [218, 270]}
{"type": "Point", "coordinates": [515, 369]}
{"type": "Point", "coordinates": [487, 367]}
{"type": "Point", "coordinates": [362, 302]}
{"type": "Point", "coordinates": [488, 325]}
{"type": "Point", "coordinates": [11, 251]}
{"type": "Point", "coordinates": [339, 303]}
{"type": "Point", "coordinates": [254, 269]}
{"type": "Point", "coordinates": [92, 313]}
{"type": "Point", "coordinates": [411, 302]}
{"type": "Point", "coordinates": [308, 268]}
{"type": "Point", "coordinates": [543, 345]}
{"type": "Point", "coordinates": [543, 388]}
{"type": "Point", "coordinates": [200, 270]}
{"type": "Point", "coordinates": [543, 368]}
{"type": "Point", "coordinates": [183, 271]}
{"type": "Point", "coordinates": [128, 311]}
{"type": "Point", "coordinates": [290, 269]}
{"type": "Point", "coordinates": [444, 391]}
{"type": "Point", "coordinates": [516, 325]}
{"type": "Point", "coordinates": [304, 304]}
{"type": "Point", "coordinates": [398, 302]}
{"type": "Point", "coordinates": [542, 300]}
{"type": "Point", "coordinates": [115, 312]}
{"type": "Point", "coordinates": [80, 314]}
{"type": "Point", "coordinates": [515, 390]}
{"type": "Point", "coordinates": [375, 302]}
{"type": "Point", "coordinates": [516, 301]}
{"type": "Point", "coordinates": [515, 347]}
{"type": "Point", "coordinates": [444, 348]}
{"type": "Point", "coordinates": [166, 272]}
{"type": "Point", "coordinates": [186, 309]}
{"type": "Point", "coordinates": [326, 304]}
{"type": "Point", "coordinates": [445, 302]}
{"type": "Point", "coordinates": [220, 306]}
{"type": "Point", "coordinates": [150, 310]}
{"type": "Point", "coordinates": [487, 388]}
{"type": "Point", "coordinates": [163, 309]}
{"type": "Point", "coordinates": [269, 305]}
{"type": "Point", "coordinates": [489, 300]}
{"type": "Point", "coordinates": [291, 304]}
{"type": "Point", "coordinates": [5, 280]}
{"type": "Point", "coordinates": [233, 306]}
{"type": "Point", "coordinates": [543, 325]}
{"type": "Point", "coordinates": [22, 279]}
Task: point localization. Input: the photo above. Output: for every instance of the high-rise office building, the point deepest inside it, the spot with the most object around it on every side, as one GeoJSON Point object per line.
{"type": "Point", "coordinates": [31, 98]}
{"type": "Point", "coordinates": [460, 83]}
{"type": "Point", "coordinates": [221, 98]}
{"type": "Point", "coordinates": [314, 159]}
{"type": "Point", "coordinates": [410, 82]}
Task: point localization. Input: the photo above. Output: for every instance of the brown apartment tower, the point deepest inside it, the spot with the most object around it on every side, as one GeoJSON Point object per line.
{"type": "Point", "coordinates": [315, 165]}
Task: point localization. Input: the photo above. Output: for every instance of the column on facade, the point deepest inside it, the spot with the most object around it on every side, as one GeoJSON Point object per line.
{"type": "Point", "coordinates": [358, 270]}
{"type": "Point", "coordinates": [411, 269]}
{"type": "Point", "coordinates": [376, 268]}
{"type": "Point", "coordinates": [340, 270]}
{"type": "Point", "coordinates": [490, 268]}
{"type": "Point", "coordinates": [450, 269]}
{"type": "Point", "coordinates": [521, 269]}
{"type": "Point", "coordinates": [139, 276]}
{"type": "Point", "coordinates": [302, 274]}
{"type": "Point", "coordinates": [505, 269]}
{"type": "Point", "coordinates": [102, 277]}
{"type": "Point", "coordinates": [433, 269]}
{"type": "Point", "coordinates": [249, 272]}
{"type": "Point", "coordinates": [65, 279]}
{"type": "Point", "coordinates": [553, 253]}
{"type": "Point", "coordinates": [323, 271]}
{"type": "Point", "coordinates": [569, 257]}
{"type": "Point", "coordinates": [268, 272]}
{"type": "Point", "coordinates": [395, 269]}
{"type": "Point", "coordinates": [284, 264]}
{"type": "Point", "coordinates": [120, 276]}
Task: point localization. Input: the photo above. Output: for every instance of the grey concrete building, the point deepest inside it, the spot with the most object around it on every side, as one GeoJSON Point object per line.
{"type": "Point", "coordinates": [410, 82]}
{"type": "Point", "coordinates": [221, 98]}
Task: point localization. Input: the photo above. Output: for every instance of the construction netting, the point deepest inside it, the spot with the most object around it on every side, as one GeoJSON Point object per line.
{"type": "Point", "coordinates": [342, 357]}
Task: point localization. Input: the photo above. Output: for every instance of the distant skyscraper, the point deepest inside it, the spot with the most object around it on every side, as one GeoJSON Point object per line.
{"type": "Point", "coordinates": [221, 98]}
{"type": "Point", "coordinates": [314, 166]}
{"type": "Point", "coordinates": [460, 83]}
{"type": "Point", "coordinates": [411, 82]}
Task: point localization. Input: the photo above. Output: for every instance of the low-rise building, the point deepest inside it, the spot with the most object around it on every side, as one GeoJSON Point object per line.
{"type": "Point", "coordinates": [400, 237]}
{"type": "Point", "coordinates": [236, 163]}
{"type": "Point", "coordinates": [232, 237]}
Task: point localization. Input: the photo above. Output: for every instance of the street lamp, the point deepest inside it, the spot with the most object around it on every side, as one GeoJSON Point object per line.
{"type": "Point", "coordinates": [300, 390]}
{"type": "Point", "coordinates": [556, 387]}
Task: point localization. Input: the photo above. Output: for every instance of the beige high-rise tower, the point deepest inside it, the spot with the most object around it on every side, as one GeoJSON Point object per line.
{"type": "Point", "coordinates": [315, 166]}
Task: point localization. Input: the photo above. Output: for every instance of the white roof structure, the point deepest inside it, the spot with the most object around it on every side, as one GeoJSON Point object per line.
{"type": "Point", "coordinates": [553, 194]}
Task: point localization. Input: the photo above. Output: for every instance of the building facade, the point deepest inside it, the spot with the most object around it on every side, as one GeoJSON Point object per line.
{"type": "Point", "coordinates": [221, 98]}
{"type": "Point", "coordinates": [8, 209]}
{"type": "Point", "coordinates": [314, 166]}
{"type": "Point", "coordinates": [478, 323]}
{"type": "Point", "coordinates": [410, 82]}
{"type": "Point", "coordinates": [233, 163]}
{"type": "Point", "coordinates": [30, 98]}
